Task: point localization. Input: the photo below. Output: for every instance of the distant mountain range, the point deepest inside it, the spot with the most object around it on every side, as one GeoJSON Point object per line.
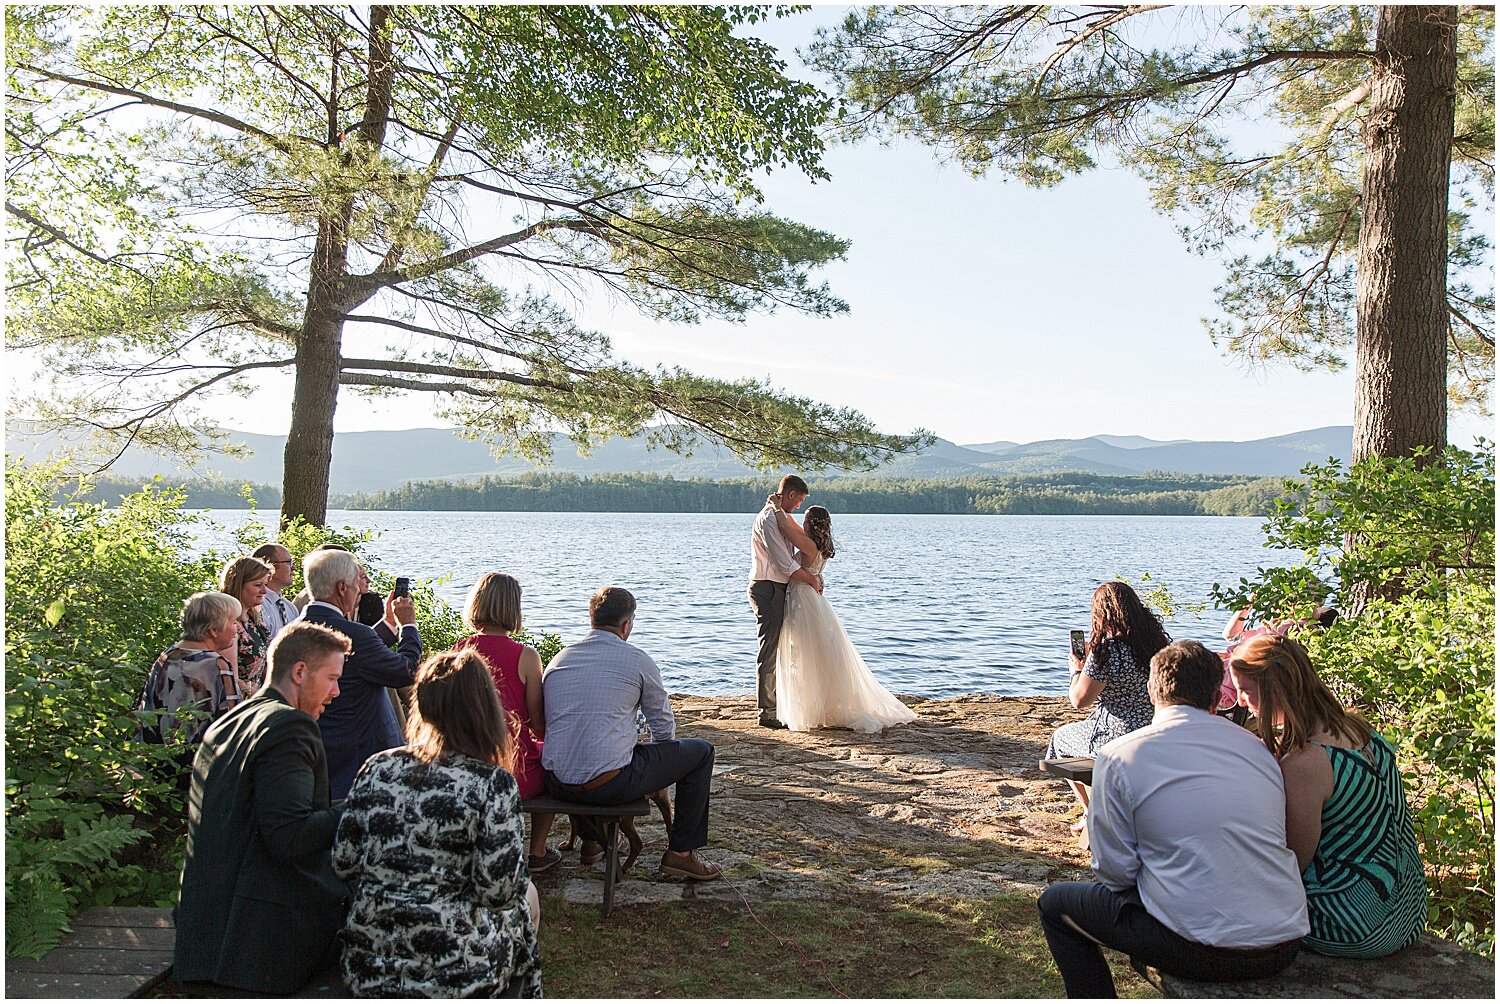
{"type": "Point", "coordinates": [376, 461]}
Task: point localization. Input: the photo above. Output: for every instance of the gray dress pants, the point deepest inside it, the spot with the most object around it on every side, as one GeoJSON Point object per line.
{"type": "Point", "coordinates": [768, 600]}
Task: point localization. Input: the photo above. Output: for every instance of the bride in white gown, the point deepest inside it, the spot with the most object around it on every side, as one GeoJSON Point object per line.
{"type": "Point", "coordinates": [821, 680]}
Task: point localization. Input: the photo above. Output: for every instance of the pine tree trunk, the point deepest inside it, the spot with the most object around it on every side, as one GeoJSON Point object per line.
{"type": "Point", "coordinates": [315, 396]}
{"type": "Point", "coordinates": [309, 442]}
{"type": "Point", "coordinates": [1400, 396]}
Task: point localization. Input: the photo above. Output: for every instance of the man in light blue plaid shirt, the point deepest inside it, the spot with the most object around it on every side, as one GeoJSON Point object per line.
{"type": "Point", "coordinates": [591, 691]}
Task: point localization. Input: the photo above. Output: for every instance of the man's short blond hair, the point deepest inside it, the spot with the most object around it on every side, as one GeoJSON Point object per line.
{"type": "Point", "coordinates": [304, 641]}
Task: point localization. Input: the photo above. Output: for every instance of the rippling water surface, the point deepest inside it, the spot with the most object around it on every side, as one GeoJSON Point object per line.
{"type": "Point", "coordinates": [938, 605]}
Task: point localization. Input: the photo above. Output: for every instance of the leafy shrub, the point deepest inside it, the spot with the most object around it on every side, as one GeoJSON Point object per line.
{"type": "Point", "coordinates": [1408, 549]}
{"type": "Point", "coordinates": [91, 597]}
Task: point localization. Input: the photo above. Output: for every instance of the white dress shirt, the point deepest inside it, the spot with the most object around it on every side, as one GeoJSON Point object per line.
{"type": "Point", "coordinates": [771, 557]}
{"type": "Point", "coordinates": [1191, 812]}
{"type": "Point", "coordinates": [277, 611]}
{"type": "Point", "coordinates": [590, 692]}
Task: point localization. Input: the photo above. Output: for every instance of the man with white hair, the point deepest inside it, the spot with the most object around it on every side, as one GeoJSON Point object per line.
{"type": "Point", "coordinates": [360, 721]}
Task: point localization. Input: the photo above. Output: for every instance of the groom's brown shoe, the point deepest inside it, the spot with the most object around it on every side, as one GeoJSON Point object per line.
{"type": "Point", "coordinates": [772, 723]}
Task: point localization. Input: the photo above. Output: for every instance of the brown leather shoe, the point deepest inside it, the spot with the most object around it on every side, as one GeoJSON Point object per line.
{"type": "Point", "coordinates": [687, 864]}
{"type": "Point", "coordinates": [591, 851]}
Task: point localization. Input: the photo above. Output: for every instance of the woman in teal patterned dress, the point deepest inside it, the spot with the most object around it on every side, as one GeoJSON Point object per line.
{"type": "Point", "coordinates": [1346, 815]}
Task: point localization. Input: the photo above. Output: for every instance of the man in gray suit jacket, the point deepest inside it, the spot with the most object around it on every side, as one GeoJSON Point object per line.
{"type": "Point", "coordinates": [260, 906]}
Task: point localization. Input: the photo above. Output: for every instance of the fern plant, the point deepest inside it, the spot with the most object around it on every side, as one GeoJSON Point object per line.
{"type": "Point", "coordinates": [54, 853]}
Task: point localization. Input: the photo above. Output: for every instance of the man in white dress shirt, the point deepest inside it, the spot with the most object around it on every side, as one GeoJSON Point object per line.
{"type": "Point", "coordinates": [773, 563]}
{"type": "Point", "coordinates": [276, 610]}
{"type": "Point", "coordinates": [591, 692]}
{"type": "Point", "coordinates": [1188, 829]}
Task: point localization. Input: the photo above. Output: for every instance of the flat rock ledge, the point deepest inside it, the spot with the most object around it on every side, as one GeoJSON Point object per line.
{"type": "Point", "coordinates": [951, 806]}
{"type": "Point", "coordinates": [1430, 968]}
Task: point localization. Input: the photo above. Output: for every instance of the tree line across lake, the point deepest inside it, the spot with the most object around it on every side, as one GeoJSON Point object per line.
{"type": "Point", "coordinates": [1077, 493]}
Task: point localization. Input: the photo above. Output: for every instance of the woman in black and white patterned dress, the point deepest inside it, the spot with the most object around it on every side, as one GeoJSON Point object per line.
{"type": "Point", "coordinates": [434, 845]}
{"type": "Point", "coordinates": [1123, 636]}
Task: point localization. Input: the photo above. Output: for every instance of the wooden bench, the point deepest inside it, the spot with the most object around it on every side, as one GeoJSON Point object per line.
{"type": "Point", "coordinates": [1070, 768]}
{"type": "Point", "coordinates": [611, 814]}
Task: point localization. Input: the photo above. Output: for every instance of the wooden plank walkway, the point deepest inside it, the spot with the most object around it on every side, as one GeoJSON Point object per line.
{"type": "Point", "coordinates": [117, 951]}
{"type": "Point", "coordinates": [125, 951]}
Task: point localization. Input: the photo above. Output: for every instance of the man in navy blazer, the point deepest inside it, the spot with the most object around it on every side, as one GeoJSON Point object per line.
{"type": "Point", "coordinates": [360, 721]}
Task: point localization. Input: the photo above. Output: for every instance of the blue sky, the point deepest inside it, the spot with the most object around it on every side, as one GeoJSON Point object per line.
{"type": "Point", "coordinates": [980, 310]}
{"type": "Point", "coordinates": [983, 310]}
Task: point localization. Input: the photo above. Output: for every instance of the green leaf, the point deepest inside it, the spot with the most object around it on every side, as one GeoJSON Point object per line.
{"type": "Point", "coordinates": [54, 614]}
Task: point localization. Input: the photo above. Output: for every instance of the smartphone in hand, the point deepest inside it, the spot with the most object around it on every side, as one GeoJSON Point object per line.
{"type": "Point", "coordinates": [1075, 639]}
{"type": "Point", "coordinates": [403, 586]}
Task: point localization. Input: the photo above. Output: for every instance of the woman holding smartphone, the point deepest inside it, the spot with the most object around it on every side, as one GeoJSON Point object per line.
{"type": "Point", "coordinates": [1111, 676]}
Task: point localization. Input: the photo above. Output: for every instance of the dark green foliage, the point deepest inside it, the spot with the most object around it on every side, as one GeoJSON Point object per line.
{"type": "Point", "coordinates": [1409, 548]}
{"type": "Point", "coordinates": [92, 595]}
{"type": "Point", "coordinates": [1077, 493]}
{"type": "Point", "coordinates": [196, 494]}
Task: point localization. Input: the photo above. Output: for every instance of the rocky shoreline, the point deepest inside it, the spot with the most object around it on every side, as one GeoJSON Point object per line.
{"type": "Point", "coordinates": [951, 806]}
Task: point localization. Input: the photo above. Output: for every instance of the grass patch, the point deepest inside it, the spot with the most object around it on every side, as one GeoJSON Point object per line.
{"type": "Point", "coordinates": [865, 948]}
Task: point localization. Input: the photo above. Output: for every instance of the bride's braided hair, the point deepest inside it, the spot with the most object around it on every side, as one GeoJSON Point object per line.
{"type": "Point", "coordinates": [819, 526]}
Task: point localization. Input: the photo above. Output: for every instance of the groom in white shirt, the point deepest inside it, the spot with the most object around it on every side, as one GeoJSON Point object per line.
{"type": "Point", "coordinates": [773, 563]}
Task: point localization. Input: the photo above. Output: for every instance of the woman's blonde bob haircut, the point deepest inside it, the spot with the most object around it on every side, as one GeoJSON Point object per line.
{"type": "Point", "coordinates": [494, 603]}
{"type": "Point", "coordinates": [456, 709]}
{"type": "Point", "coordinates": [204, 613]}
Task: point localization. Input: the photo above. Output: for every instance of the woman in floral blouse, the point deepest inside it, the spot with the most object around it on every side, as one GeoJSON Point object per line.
{"type": "Point", "coordinates": [247, 579]}
{"type": "Point", "coordinates": [434, 845]}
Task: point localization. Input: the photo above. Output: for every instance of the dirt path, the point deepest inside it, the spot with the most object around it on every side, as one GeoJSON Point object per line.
{"type": "Point", "coordinates": [950, 806]}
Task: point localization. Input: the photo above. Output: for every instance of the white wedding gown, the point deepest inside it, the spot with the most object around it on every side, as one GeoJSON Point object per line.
{"type": "Point", "coordinates": [821, 680]}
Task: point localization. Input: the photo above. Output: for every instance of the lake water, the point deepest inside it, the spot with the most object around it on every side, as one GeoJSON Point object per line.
{"type": "Point", "coordinates": [938, 605]}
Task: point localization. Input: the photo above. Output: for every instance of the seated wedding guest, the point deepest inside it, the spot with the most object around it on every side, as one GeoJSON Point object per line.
{"type": "Point", "coordinates": [591, 691]}
{"type": "Point", "coordinates": [493, 612]}
{"type": "Point", "coordinates": [246, 579]}
{"type": "Point", "coordinates": [361, 721]}
{"type": "Point", "coordinates": [260, 907]}
{"type": "Point", "coordinates": [276, 611]}
{"type": "Point", "coordinates": [1238, 631]}
{"type": "Point", "coordinates": [1346, 814]}
{"type": "Point", "coordinates": [1189, 843]}
{"type": "Point", "coordinates": [433, 844]}
{"type": "Point", "coordinates": [1123, 636]}
{"type": "Point", "coordinates": [191, 685]}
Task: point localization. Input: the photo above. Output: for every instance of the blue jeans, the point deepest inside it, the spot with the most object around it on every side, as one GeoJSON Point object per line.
{"type": "Point", "coordinates": [1078, 917]}
{"type": "Point", "coordinates": [687, 763]}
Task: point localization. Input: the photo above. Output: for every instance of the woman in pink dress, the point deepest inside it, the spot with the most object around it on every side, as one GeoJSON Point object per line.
{"type": "Point", "coordinates": [493, 612]}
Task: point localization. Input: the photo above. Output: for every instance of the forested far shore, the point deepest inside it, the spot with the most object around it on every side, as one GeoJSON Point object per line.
{"type": "Point", "coordinates": [1078, 493]}
{"type": "Point", "coordinates": [1042, 494]}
